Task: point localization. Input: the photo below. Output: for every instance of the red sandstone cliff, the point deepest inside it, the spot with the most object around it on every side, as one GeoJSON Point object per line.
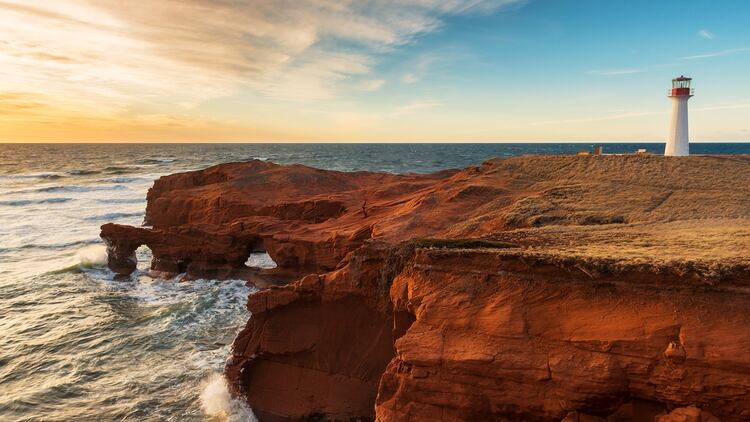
{"type": "Point", "coordinates": [623, 292]}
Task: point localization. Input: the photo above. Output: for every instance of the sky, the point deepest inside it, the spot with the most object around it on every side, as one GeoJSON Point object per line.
{"type": "Point", "coordinates": [369, 70]}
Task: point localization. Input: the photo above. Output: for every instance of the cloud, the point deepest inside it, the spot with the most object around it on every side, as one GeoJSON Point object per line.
{"type": "Point", "coordinates": [372, 85]}
{"type": "Point", "coordinates": [705, 33]}
{"type": "Point", "coordinates": [410, 78]}
{"type": "Point", "coordinates": [418, 69]}
{"type": "Point", "coordinates": [419, 105]}
{"type": "Point", "coordinates": [106, 55]}
{"type": "Point", "coordinates": [721, 53]}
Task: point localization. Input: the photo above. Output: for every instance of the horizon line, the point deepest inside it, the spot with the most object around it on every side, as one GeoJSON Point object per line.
{"type": "Point", "coordinates": [353, 142]}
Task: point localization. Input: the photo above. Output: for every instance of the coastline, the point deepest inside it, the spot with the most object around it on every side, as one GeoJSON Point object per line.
{"type": "Point", "coordinates": [567, 218]}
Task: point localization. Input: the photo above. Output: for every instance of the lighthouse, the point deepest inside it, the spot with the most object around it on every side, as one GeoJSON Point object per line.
{"type": "Point", "coordinates": [677, 143]}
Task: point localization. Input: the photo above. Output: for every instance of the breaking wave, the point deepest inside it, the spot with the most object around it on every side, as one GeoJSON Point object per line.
{"type": "Point", "coordinates": [88, 257]}
{"type": "Point", "coordinates": [217, 402]}
{"type": "Point", "coordinates": [92, 256]}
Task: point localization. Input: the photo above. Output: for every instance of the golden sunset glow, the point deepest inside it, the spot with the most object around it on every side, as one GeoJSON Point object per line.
{"type": "Point", "coordinates": [323, 70]}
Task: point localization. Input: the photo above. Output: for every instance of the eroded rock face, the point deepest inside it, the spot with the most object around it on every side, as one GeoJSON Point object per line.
{"type": "Point", "coordinates": [205, 223]}
{"type": "Point", "coordinates": [331, 335]}
{"type": "Point", "coordinates": [687, 414]}
{"type": "Point", "coordinates": [493, 334]}
{"type": "Point", "coordinates": [625, 296]}
{"type": "Point", "coordinates": [501, 335]}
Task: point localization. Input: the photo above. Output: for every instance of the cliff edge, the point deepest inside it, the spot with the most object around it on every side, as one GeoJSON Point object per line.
{"type": "Point", "coordinates": [529, 288]}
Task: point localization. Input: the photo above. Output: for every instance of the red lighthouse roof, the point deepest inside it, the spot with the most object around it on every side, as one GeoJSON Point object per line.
{"type": "Point", "coordinates": [681, 87]}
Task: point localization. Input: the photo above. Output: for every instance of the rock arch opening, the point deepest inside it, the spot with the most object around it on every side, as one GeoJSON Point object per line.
{"type": "Point", "coordinates": [260, 260]}
{"type": "Point", "coordinates": [144, 257]}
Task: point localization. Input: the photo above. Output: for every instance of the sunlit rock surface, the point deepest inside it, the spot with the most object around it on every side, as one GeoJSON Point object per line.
{"type": "Point", "coordinates": [595, 286]}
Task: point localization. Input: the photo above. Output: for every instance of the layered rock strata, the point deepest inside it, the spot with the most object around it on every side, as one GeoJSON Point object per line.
{"type": "Point", "coordinates": [531, 288]}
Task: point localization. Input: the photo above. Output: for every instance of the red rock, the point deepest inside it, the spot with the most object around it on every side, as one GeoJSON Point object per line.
{"type": "Point", "coordinates": [688, 414]}
{"type": "Point", "coordinates": [505, 340]}
{"type": "Point", "coordinates": [581, 417]}
{"type": "Point", "coordinates": [627, 293]}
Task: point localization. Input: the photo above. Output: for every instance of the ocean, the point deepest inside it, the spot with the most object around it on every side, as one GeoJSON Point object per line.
{"type": "Point", "coordinates": [77, 345]}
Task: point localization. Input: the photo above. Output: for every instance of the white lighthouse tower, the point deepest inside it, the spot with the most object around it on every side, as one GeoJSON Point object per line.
{"type": "Point", "coordinates": [677, 143]}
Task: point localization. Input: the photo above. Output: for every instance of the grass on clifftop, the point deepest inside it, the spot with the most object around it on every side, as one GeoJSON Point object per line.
{"type": "Point", "coordinates": [459, 244]}
{"type": "Point", "coordinates": [399, 255]}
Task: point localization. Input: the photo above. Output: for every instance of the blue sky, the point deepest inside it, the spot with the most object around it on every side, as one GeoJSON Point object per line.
{"type": "Point", "coordinates": [414, 70]}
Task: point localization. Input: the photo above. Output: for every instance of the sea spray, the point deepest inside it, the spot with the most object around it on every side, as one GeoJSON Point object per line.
{"type": "Point", "coordinates": [86, 258]}
{"type": "Point", "coordinates": [218, 403]}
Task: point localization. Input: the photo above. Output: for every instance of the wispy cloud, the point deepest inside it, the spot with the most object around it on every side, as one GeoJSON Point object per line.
{"type": "Point", "coordinates": [705, 33]}
{"type": "Point", "coordinates": [372, 85]}
{"type": "Point", "coordinates": [410, 78]}
{"type": "Point", "coordinates": [106, 55]}
{"type": "Point", "coordinates": [419, 105]}
{"type": "Point", "coordinates": [729, 52]}
{"type": "Point", "coordinates": [418, 69]}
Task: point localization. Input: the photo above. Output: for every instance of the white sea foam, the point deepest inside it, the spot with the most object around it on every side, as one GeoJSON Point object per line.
{"type": "Point", "coordinates": [92, 256]}
{"type": "Point", "coordinates": [217, 402]}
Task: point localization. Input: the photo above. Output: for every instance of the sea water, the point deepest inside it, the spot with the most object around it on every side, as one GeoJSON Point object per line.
{"type": "Point", "coordinates": [77, 345]}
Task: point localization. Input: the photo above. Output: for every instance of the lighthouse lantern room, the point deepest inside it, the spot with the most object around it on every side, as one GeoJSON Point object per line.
{"type": "Point", "coordinates": [677, 142]}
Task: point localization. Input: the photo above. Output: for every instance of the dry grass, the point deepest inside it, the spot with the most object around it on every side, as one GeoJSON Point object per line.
{"type": "Point", "coordinates": [637, 209]}
{"type": "Point", "coordinates": [724, 241]}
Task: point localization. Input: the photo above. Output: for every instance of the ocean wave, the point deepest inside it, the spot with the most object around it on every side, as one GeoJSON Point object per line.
{"type": "Point", "coordinates": [75, 188]}
{"type": "Point", "coordinates": [83, 172]}
{"type": "Point", "coordinates": [121, 200]}
{"type": "Point", "coordinates": [125, 179]}
{"type": "Point", "coordinates": [113, 216]}
{"type": "Point", "coordinates": [218, 403]}
{"type": "Point", "coordinates": [49, 176]}
{"type": "Point", "coordinates": [123, 169]}
{"type": "Point", "coordinates": [88, 257]}
{"type": "Point", "coordinates": [92, 256]}
{"type": "Point", "coordinates": [55, 246]}
{"type": "Point", "coordinates": [157, 161]}
{"type": "Point", "coordinates": [24, 202]}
